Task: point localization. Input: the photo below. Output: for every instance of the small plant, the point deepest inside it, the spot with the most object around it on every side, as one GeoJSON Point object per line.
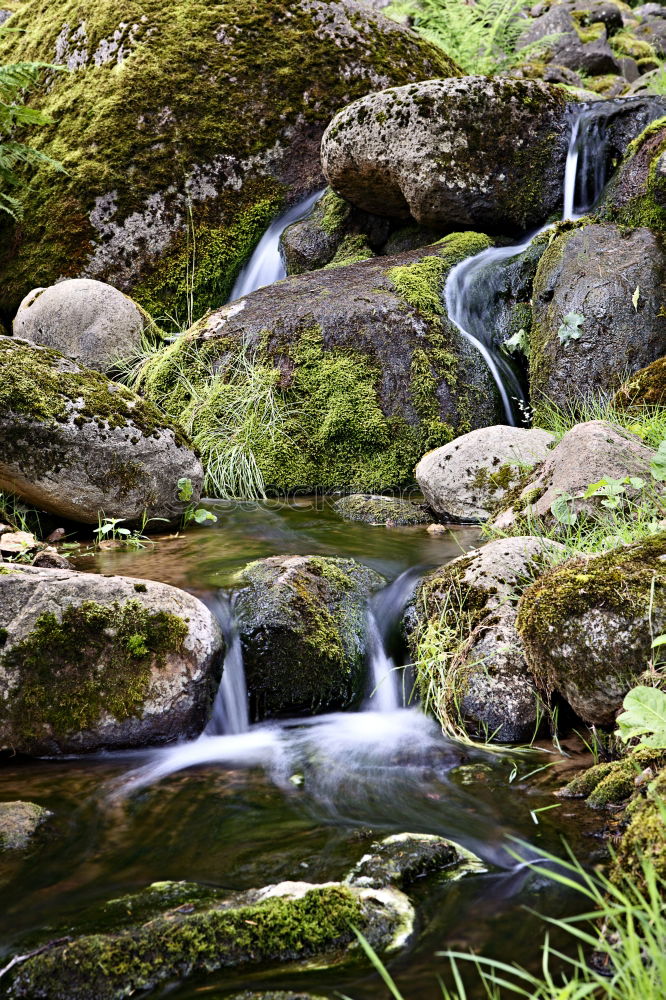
{"type": "Point", "coordinates": [570, 327]}
{"type": "Point", "coordinates": [193, 512]}
{"type": "Point", "coordinates": [644, 715]}
{"type": "Point", "coordinates": [520, 341]}
{"type": "Point", "coordinates": [107, 530]}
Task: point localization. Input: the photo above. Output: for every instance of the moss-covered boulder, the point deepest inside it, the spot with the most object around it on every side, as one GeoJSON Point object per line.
{"type": "Point", "coordinates": [612, 783]}
{"type": "Point", "coordinates": [470, 662]}
{"type": "Point", "coordinates": [381, 510]}
{"type": "Point", "coordinates": [587, 626]}
{"type": "Point", "coordinates": [19, 821]}
{"type": "Point", "coordinates": [644, 837]}
{"type": "Point", "coordinates": [586, 329]}
{"type": "Point", "coordinates": [90, 662]}
{"type": "Point", "coordinates": [76, 444]}
{"type": "Point", "coordinates": [636, 196]}
{"type": "Point", "coordinates": [646, 387]}
{"type": "Point", "coordinates": [202, 932]}
{"type": "Point", "coordinates": [303, 628]}
{"type": "Point", "coordinates": [475, 152]}
{"type": "Point", "coordinates": [362, 371]}
{"type": "Point", "coordinates": [185, 121]}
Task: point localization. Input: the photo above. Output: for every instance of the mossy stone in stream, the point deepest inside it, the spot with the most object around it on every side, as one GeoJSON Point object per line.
{"type": "Point", "coordinates": [644, 838]}
{"type": "Point", "coordinates": [380, 510]}
{"type": "Point", "coordinates": [302, 622]}
{"type": "Point", "coordinates": [19, 822]}
{"type": "Point", "coordinates": [183, 124]}
{"type": "Point", "coordinates": [613, 782]}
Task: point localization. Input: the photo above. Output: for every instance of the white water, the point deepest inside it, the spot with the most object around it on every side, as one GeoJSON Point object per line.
{"type": "Point", "coordinates": [266, 266]}
{"type": "Point", "coordinates": [230, 711]}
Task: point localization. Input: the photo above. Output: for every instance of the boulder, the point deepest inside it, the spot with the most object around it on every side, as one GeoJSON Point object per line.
{"type": "Point", "coordinates": [461, 152]}
{"type": "Point", "coordinates": [362, 370]}
{"type": "Point", "coordinates": [586, 327]}
{"type": "Point", "coordinates": [92, 662]}
{"type": "Point", "coordinates": [19, 821]}
{"type": "Point", "coordinates": [587, 626]}
{"type": "Point", "coordinates": [469, 478]}
{"type": "Point", "coordinates": [586, 454]}
{"type": "Point", "coordinates": [569, 44]}
{"type": "Point", "coordinates": [78, 445]}
{"type": "Point", "coordinates": [379, 510]}
{"type": "Point", "coordinates": [636, 195]}
{"type": "Point", "coordinates": [194, 932]}
{"type": "Point", "coordinates": [85, 320]}
{"type": "Point", "coordinates": [646, 387]}
{"type": "Point", "coordinates": [170, 130]}
{"type": "Point", "coordinates": [403, 858]}
{"type": "Point", "coordinates": [478, 680]}
{"type": "Point", "coordinates": [303, 627]}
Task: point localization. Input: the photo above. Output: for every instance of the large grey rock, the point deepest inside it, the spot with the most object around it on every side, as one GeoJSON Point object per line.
{"type": "Point", "coordinates": [586, 454]}
{"type": "Point", "coordinates": [85, 320]}
{"type": "Point", "coordinates": [593, 272]}
{"type": "Point", "coordinates": [469, 477]}
{"type": "Point", "coordinates": [458, 152]}
{"type": "Point", "coordinates": [19, 821]}
{"type": "Point", "coordinates": [78, 445]}
{"type": "Point", "coordinates": [91, 662]}
{"type": "Point", "coordinates": [303, 627]}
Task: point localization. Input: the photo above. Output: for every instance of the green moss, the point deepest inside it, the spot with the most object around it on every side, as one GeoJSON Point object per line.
{"type": "Point", "coordinates": [625, 44]}
{"type": "Point", "coordinates": [604, 84]}
{"type": "Point", "coordinates": [379, 510]}
{"type": "Point", "coordinates": [591, 33]}
{"type": "Point", "coordinates": [97, 659]}
{"type": "Point", "coordinates": [644, 839]}
{"type": "Point", "coordinates": [611, 784]}
{"type": "Point", "coordinates": [352, 250]}
{"type": "Point", "coordinates": [335, 212]}
{"type": "Point", "coordinates": [636, 196]}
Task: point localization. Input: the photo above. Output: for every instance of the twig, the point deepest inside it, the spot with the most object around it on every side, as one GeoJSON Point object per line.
{"type": "Point", "coordinates": [18, 959]}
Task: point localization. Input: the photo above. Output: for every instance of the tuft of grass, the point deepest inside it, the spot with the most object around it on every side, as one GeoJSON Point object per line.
{"type": "Point", "coordinates": [19, 515]}
{"type": "Point", "coordinates": [647, 422]}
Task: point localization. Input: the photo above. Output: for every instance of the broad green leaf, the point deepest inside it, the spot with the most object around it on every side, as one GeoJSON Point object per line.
{"type": "Point", "coordinates": [636, 482]}
{"type": "Point", "coordinates": [658, 463]}
{"type": "Point", "coordinates": [561, 510]}
{"type": "Point", "coordinates": [593, 488]}
{"type": "Point", "coordinates": [201, 516]}
{"type": "Point", "coordinates": [518, 342]}
{"type": "Point", "coordinates": [644, 712]}
{"type": "Point", "coordinates": [659, 641]}
{"type": "Point", "coordinates": [185, 489]}
{"type": "Point", "coordinates": [657, 741]}
{"type": "Point", "coordinates": [635, 297]}
{"type": "Point", "coordinates": [570, 328]}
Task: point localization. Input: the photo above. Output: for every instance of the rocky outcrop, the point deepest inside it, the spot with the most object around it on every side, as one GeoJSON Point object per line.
{"type": "Point", "coordinates": [202, 135]}
{"type": "Point", "coordinates": [19, 821]}
{"type": "Point", "coordinates": [587, 329]}
{"type": "Point", "coordinates": [469, 152]}
{"type": "Point", "coordinates": [87, 321]}
{"type": "Point", "coordinates": [78, 445]}
{"type": "Point", "coordinates": [587, 626]}
{"type": "Point", "coordinates": [91, 662]}
{"type": "Point", "coordinates": [362, 370]}
{"type": "Point", "coordinates": [469, 478]}
{"type": "Point", "coordinates": [380, 510]}
{"type": "Point", "coordinates": [303, 627]}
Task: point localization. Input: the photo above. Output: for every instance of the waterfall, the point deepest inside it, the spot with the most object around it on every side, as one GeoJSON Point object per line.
{"type": "Point", "coordinates": [266, 266]}
{"type": "Point", "coordinates": [230, 712]}
{"type": "Point", "coordinates": [384, 614]}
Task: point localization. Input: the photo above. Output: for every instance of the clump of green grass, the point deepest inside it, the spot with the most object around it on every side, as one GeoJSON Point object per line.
{"type": "Point", "coordinates": [648, 422]}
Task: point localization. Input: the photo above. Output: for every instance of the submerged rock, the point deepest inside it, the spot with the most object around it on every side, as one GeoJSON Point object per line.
{"type": "Point", "coordinates": [167, 129]}
{"type": "Point", "coordinates": [303, 626]}
{"type": "Point", "coordinates": [469, 478]}
{"type": "Point", "coordinates": [363, 370]}
{"type": "Point", "coordinates": [401, 859]}
{"type": "Point", "coordinates": [587, 626]}
{"type": "Point", "coordinates": [293, 922]}
{"type": "Point", "coordinates": [466, 152]}
{"type": "Point", "coordinates": [380, 510]}
{"type": "Point", "coordinates": [19, 821]}
{"type": "Point", "coordinates": [85, 320]}
{"type": "Point", "coordinates": [78, 445]}
{"type": "Point", "coordinates": [91, 662]}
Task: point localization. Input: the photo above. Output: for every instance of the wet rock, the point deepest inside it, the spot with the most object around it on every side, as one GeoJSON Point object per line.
{"type": "Point", "coordinates": [587, 625]}
{"type": "Point", "coordinates": [85, 320]}
{"type": "Point", "coordinates": [293, 922]}
{"type": "Point", "coordinates": [646, 387]}
{"type": "Point", "coordinates": [478, 679]}
{"type": "Point", "coordinates": [410, 238]}
{"type": "Point", "coordinates": [365, 371]}
{"type": "Point", "coordinates": [50, 558]}
{"type": "Point", "coordinates": [643, 839]}
{"type": "Point", "coordinates": [91, 662]}
{"type": "Point", "coordinates": [586, 328]}
{"type": "Point", "coordinates": [19, 821]}
{"type": "Point", "coordinates": [469, 478]}
{"type": "Point", "coordinates": [76, 444]}
{"type": "Point", "coordinates": [276, 995]}
{"type": "Point", "coordinates": [586, 454]}
{"type": "Point", "coordinates": [458, 152]}
{"type": "Point", "coordinates": [636, 195]}
{"type": "Point", "coordinates": [303, 627]}
{"type": "Point", "coordinates": [380, 510]}
{"type": "Point", "coordinates": [403, 858]}
{"type": "Point", "coordinates": [246, 139]}
{"type": "Point", "coordinates": [17, 543]}
{"type": "Point", "coordinates": [613, 782]}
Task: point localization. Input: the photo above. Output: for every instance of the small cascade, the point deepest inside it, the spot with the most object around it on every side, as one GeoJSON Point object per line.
{"type": "Point", "coordinates": [266, 266]}
{"type": "Point", "coordinates": [384, 615]}
{"type": "Point", "coordinates": [230, 711]}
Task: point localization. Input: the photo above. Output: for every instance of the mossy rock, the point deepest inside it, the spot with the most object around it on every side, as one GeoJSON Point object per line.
{"type": "Point", "coordinates": [303, 627]}
{"type": "Point", "coordinates": [76, 444]}
{"type": "Point", "coordinates": [636, 196]}
{"type": "Point", "coordinates": [646, 387]}
{"type": "Point", "coordinates": [380, 510]}
{"type": "Point", "coordinates": [587, 626]}
{"type": "Point", "coordinates": [184, 121]}
{"type": "Point", "coordinates": [365, 372]}
{"type": "Point", "coordinates": [403, 858]}
{"type": "Point", "coordinates": [19, 822]}
{"type": "Point", "coordinates": [644, 838]}
{"type": "Point", "coordinates": [91, 662]}
{"type": "Point", "coordinates": [612, 783]}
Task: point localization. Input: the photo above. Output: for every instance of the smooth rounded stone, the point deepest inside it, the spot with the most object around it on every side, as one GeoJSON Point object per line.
{"type": "Point", "coordinates": [578, 277]}
{"type": "Point", "coordinates": [221, 133]}
{"type": "Point", "coordinates": [468, 478]}
{"type": "Point", "coordinates": [366, 371]}
{"type": "Point", "coordinates": [468, 608]}
{"type": "Point", "coordinates": [646, 387]}
{"type": "Point", "coordinates": [587, 626]}
{"type": "Point", "coordinates": [93, 662]}
{"type": "Point", "coordinates": [586, 454]}
{"type": "Point", "coordinates": [292, 923]}
{"type": "Point", "coordinates": [636, 195]}
{"type": "Point", "coordinates": [50, 558]}
{"type": "Point", "coordinates": [88, 321]}
{"type": "Point", "coordinates": [401, 859]}
{"type": "Point", "coordinates": [467, 151]}
{"type": "Point", "coordinates": [17, 543]}
{"type": "Point", "coordinates": [19, 821]}
{"type": "Point", "coordinates": [78, 445]}
{"type": "Point", "coordinates": [303, 626]}
{"type": "Point", "coordinates": [380, 510]}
